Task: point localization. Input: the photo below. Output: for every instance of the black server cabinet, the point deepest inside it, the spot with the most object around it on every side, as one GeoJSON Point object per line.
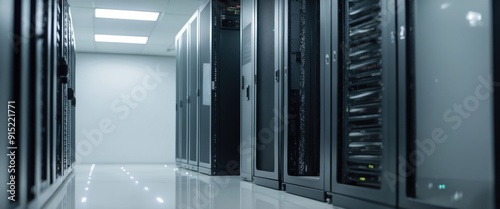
{"type": "Point", "coordinates": [220, 83]}
{"type": "Point", "coordinates": [247, 90]}
{"type": "Point", "coordinates": [448, 94]}
{"type": "Point", "coordinates": [32, 32]}
{"type": "Point", "coordinates": [192, 99]}
{"type": "Point", "coordinates": [305, 171]}
{"type": "Point", "coordinates": [365, 143]}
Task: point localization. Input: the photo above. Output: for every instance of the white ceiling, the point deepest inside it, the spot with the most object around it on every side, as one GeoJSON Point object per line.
{"type": "Point", "coordinates": [173, 15]}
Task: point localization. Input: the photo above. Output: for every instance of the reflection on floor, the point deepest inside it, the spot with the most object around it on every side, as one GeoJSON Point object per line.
{"type": "Point", "coordinates": [167, 187]}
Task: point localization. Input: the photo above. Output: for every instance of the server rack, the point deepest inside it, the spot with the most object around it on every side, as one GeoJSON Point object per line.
{"type": "Point", "coordinates": [305, 169]}
{"type": "Point", "coordinates": [34, 44]}
{"type": "Point", "coordinates": [365, 149]}
{"type": "Point", "coordinates": [247, 95]}
{"type": "Point", "coordinates": [178, 100]}
{"type": "Point", "coordinates": [268, 170]}
{"type": "Point", "coordinates": [193, 92]}
{"type": "Point", "coordinates": [455, 79]}
{"type": "Point", "coordinates": [219, 113]}
{"type": "Point", "coordinates": [261, 149]}
{"type": "Point", "coordinates": [182, 65]}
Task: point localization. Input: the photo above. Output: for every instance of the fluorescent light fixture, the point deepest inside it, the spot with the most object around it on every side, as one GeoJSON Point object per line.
{"type": "Point", "coordinates": [131, 177]}
{"type": "Point", "coordinates": [121, 39]}
{"type": "Point", "coordinates": [126, 14]}
{"type": "Point", "coordinates": [84, 199]}
{"type": "Point", "coordinates": [145, 188]}
{"type": "Point", "coordinates": [136, 182]}
{"type": "Point", "coordinates": [159, 200]}
{"type": "Point", "coordinates": [86, 188]}
{"type": "Point", "coordinates": [128, 173]}
{"type": "Point", "coordinates": [90, 177]}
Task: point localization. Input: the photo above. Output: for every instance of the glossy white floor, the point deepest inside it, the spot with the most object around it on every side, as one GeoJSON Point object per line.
{"type": "Point", "coordinates": [166, 187]}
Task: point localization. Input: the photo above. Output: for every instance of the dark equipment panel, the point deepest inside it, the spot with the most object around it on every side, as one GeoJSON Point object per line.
{"type": "Point", "coordinates": [303, 91]}
{"type": "Point", "coordinates": [269, 120]}
{"type": "Point", "coordinates": [219, 120]}
{"type": "Point", "coordinates": [365, 146]}
{"type": "Point", "coordinates": [305, 172]}
{"type": "Point", "coordinates": [265, 83]}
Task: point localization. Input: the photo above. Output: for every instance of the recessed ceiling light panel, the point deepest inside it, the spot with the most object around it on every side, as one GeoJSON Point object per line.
{"type": "Point", "coordinates": [126, 14]}
{"type": "Point", "coordinates": [121, 39]}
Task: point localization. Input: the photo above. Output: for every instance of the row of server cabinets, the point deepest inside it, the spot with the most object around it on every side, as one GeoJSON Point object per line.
{"type": "Point", "coordinates": [207, 107]}
{"type": "Point", "coordinates": [38, 96]}
{"type": "Point", "coordinates": [363, 103]}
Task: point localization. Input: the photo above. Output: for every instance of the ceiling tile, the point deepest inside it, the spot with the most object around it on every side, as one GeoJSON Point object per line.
{"type": "Point", "coordinates": [174, 14]}
{"type": "Point", "coordinates": [82, 17]}
{"type": "Point", "coordinates": [170, 22]}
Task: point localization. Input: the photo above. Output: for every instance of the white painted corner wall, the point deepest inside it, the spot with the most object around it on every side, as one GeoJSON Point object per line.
{"type": "Point", "coordinates": [125, 109]}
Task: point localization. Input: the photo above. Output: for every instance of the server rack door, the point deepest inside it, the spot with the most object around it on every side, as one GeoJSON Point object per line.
{"type": "Point", "coordinates": [247, 90]}
{"type": "Point", "coordinates": [446, 84]}
{"type": "Point", "coordinates": [184, 87]}
{"type": "Point", "coordinates": [366, 137]}
{"type": "Point", "coordinates": [205, 65]}
{"type": "Point", "coordinates": [304, 172]}
{"type": "Point", "coordinates": [267, 132]}
{"type": "Point", "coordinates": [193, 91]}
{"type": "Point", "coordinates": [178, 107]}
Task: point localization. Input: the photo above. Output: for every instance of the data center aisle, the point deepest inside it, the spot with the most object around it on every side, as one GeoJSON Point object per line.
{"type": "Point", "coordinates": [166, 186]}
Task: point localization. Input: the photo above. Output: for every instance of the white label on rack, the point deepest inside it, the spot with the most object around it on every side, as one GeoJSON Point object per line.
{"type": "Point", "coordinates": [207, 84]}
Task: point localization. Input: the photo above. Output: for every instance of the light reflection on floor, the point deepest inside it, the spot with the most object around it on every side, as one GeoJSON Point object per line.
{"type": "Point", "coordinates": [165, 186]}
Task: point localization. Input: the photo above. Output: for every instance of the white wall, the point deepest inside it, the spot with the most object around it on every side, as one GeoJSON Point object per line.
{"type": "Point", "coordinates": [125, 110]}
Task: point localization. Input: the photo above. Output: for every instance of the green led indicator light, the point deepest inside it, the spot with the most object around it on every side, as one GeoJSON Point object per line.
{"type": "Point", "coordinates": [362, 178]}
{"type": "Point", "coordinates": [371, 166]}
{"type": "Point", "coordinates": [442, 186]}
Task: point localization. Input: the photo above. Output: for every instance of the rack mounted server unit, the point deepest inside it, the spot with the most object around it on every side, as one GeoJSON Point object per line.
{"type": "Point", "coordinates": [38, 80]}
{"type": "Point", "coordinates": [440, 62]}
{"type": "Point", "coordinates": [365, 149]}
{"type": "Point", "coordinates": [187, 95]}
{"type": "Point", "coordinates": [216, 81]}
